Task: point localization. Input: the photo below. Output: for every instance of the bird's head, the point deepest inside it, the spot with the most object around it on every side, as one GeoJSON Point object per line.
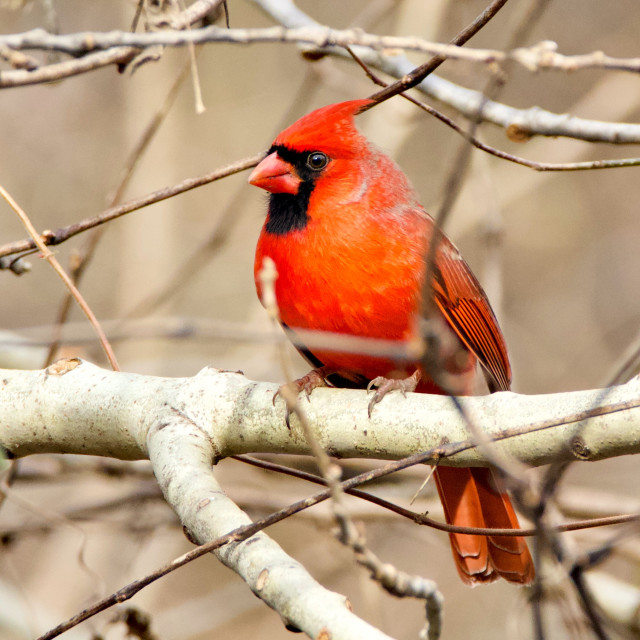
{"type": "Point", "coordinates": [307, 149]}
{"type": "Point", "coordinates": [320, 152]}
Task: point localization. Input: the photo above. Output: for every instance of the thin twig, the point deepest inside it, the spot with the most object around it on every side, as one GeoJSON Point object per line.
{"type": "Point", "coordinates": [82, 260]}
{"type": "Point", "coordinates": [237, 535]}
{"type": "Point", "coordinates": [523, 123]}
{"type": "Point", "coordinates": [419, 518]}
{"type": "Point", "coordinates": [61, 235]}
{"type": "Point", "coordinates": [226, 221]}
{"type": "Point", "coordinates": [51, 259]}
{"type": "Point", "coordinates": [416, 76]}
{"type": "Point", "coordinates": [614, 163]}
{"type": "Point", "coordinates": [196, 11]}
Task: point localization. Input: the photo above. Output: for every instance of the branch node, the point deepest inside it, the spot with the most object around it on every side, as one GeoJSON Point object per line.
{"type": "Point", "coordinates": [579, 448]}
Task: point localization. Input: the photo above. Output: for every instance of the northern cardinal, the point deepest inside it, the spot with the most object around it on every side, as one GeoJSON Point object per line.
{"type": "Point", "coordinates": [348, 238]}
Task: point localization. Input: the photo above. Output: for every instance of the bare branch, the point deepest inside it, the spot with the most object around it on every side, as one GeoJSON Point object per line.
{"type": "Point", "coordinates": [27, 71]}
{"type": "Point", "coordinates": [532, 164]}
{"type": "Point", "coordinates": [522, 122]}
{"type": "Point", "coordinates": [66, 69]}
{"type": "Point", "coordinates": [63, 234]}
{"type": "Point", "coordinates": [183, 425]}
{"type": "Point", "coordinates": [181, 454]}
{"type": "Point", "coordinates": [374, 50]}
{"type": "Point", "coordinates": [64, 276]}
{"type": "Point", "coordinates": [84, 409]}
{"type": "Point", "coordinates": [541, 56]}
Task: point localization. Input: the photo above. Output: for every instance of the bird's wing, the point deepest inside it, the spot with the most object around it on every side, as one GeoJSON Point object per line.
{"type": "Point", "coordinates": [460, 297]}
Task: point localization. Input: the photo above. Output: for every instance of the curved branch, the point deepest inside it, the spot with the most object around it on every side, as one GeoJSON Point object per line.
{"type": "Point", "coordinates": [182, 454]}
{"type": "Point", "coordinates": [183, 425]}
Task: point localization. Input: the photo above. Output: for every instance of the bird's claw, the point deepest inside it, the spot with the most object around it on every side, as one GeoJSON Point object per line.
{"type": "Point", "coordinates": [384, 385]}
{"type": "Point", "coordinates": [312, 380]}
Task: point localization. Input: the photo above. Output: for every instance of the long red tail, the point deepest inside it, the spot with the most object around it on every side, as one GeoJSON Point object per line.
{"type": "Point", "coordinates": [470, 499]}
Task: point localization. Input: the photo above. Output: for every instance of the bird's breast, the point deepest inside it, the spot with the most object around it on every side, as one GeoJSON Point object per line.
{"type": "Point", "coordinates": [357, 283]}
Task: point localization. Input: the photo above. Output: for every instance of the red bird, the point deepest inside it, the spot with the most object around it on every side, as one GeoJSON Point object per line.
{"type": "Point", "coordinates": [348, 238]}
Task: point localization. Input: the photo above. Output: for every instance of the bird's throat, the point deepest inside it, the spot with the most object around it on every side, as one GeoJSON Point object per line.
{"type": "Point", "coordinates": [288, 212]}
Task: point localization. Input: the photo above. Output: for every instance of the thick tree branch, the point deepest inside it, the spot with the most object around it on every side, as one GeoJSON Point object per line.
{"type": "Point", "coordinates": [76, 407]}
{"type": "Point", "coordinates": [182, 453]}
{"type": "Point", "coordinates": [184, 425]}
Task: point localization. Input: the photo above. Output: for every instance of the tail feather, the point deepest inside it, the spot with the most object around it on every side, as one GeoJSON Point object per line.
{"type": "Point", "coordinates": [471, 498]}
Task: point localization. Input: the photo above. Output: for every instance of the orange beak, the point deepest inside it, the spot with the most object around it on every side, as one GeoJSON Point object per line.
{"type": "Point", "coordinates": [275, 175]}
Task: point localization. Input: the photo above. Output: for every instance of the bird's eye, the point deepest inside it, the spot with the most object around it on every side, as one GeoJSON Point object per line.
{"type": "Point", "coordinates": [317, 160]}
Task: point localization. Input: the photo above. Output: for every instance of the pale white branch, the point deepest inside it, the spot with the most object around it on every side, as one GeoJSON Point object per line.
{"type": "Point", "coordinates": [533, 121]}
{"type": "Point", "coordinates": [89, 410]}
{"type": "Point", "coordinates": [98, 49]}
{"type": "Point", "coordinates": [542, 56]}
{"type": "Point", "coordinates": [182, 453]}
{"type": "Point", "coordinates": [184, 425]}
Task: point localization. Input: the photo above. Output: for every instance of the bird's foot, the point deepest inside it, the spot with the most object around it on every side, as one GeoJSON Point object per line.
{"type": "Point", "coordinates": [384, 385]}
{"type": "Point", "coordinates": [312, 380]}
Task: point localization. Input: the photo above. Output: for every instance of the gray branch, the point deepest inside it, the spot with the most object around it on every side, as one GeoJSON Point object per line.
{"type": "Point", "coordinates": [542, 56]}
{"type": "Point", "coordinates": [98, 49]}
{"type": "Point", "coordinates": [534, 121]}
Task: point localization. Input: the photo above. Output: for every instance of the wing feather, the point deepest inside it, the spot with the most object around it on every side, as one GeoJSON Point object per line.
{"type": "Point", "coordinates": [460, 297]}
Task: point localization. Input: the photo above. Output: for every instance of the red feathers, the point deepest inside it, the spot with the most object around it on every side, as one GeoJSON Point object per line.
{"type": "Point", "coordinates": [348, 238]}
{"type": "Point", "coordinates": [332, 126]}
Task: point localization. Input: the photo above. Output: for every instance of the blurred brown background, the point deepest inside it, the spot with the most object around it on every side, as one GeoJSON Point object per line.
{"type": "Point", "coordinates": [566, 291]}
